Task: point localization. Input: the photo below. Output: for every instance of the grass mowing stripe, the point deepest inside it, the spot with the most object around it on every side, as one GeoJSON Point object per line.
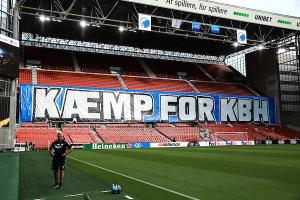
{"type": "Point", "coordinates": [138, 180]}
{"type": "Point", "coordinates": [74, 195]}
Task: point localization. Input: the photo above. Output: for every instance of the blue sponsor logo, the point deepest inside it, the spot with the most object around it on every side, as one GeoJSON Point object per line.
{"type": "Point", "coordinates": [215, 29]}
{"type": "Point", "coordinates": [145, 22]}
{"type": "Point", "coordinates": [242, 37]}
{"type": "Point", "coordinates": [196, 26]}
{"type": "Point", "coordinates": [140, 145]}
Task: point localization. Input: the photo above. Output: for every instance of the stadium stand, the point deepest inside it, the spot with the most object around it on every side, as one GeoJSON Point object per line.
{"type": "Point", "coordinates": [285, 131]}
{"type": "Point", "coordinates": [25, 76]}
{"type": "Point", "coordinates": [55, 78]}
{"type": "Point", "coordinates": [80, 136]}
{"type": "Point", "coordinates": [182, 134]}
{"type": "Point", "coordinates": [40, 137]}
{"type": "Point", "coordinates": [123, 135]}
{"type": "Point", "coordinates": [59, 60]}
{"type": "Point", "coordinates": [170, 69]}
{"type": "Point", "coordinates": [99, 63]}
{"type": "Point", "coordinates": [222, 88]}
{"type": "Point", "coordinates": [36, 125]}
{"type": "Point", "coordinates": [157, 84]}
{"type": "Point", "coordinates": [126, 125]}
{"type": "Point", "coordinates": [222, 73]}
{"type": "Point", "coordinates": [95, 72]}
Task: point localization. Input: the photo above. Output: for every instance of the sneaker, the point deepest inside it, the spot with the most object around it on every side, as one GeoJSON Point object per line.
{"type": "Point", "coordinates": [60, 186]}
{"type": "Point", "coordinates": [55, 186]}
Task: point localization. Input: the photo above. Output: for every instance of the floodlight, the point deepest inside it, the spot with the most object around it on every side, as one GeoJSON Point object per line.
{"type": "Point", "coordinates": [42, 18]}
{"type": "Point", "coordinates": [83, 23]}
{"type": "Point", "coordinates": [121, 28]}
{"type": "Point", "coordinates": [236, 44]}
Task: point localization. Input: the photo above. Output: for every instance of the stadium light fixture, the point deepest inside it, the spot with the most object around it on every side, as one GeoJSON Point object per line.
{"type": "Point", "coordinates": [260, 47]}
{"type": "Point", "coordinates": [42, 18]}
{"type": "Point", "coordinates": [281, 50]}
{"type": "Point", "coordinates": [83, 23]}
{"type": "Point", "coordinates": [236, 44]}
{"type": "Point", "coordinates": [121, 28]}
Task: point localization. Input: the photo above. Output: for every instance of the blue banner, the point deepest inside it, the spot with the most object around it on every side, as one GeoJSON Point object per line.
{"type": "Point", "coordinates": [43, 103]}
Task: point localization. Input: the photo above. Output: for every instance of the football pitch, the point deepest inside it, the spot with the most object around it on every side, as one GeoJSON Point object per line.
{"type": "Point", "coordinates": [227, 173]}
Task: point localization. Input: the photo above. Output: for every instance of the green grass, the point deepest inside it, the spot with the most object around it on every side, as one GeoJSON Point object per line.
{"type": "Point", "coordinates": [263, 172]}
{"type": "Point", "coordinates": [9, 176]}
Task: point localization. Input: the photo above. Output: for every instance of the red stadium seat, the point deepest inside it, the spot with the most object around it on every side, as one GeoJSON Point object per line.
{"type": "Point", "coordinates": [170, 69]}
{"type": "Point", "coordinates": [222, 88]}
{"type": "Point", "coordinates": [25, 76]}
{"type": "Point", "coordinates": [42, 138]}
{"type": "Point", "coordinates": [124, 135]}
{"type": "Point", "coordinates": [56, 78]}
{"type": "Point", "coordinates": [181, 134]}
{"type": "Point", "coordinates": [157, 84]}
{"type": "Point", "coordinates": [221, 73]}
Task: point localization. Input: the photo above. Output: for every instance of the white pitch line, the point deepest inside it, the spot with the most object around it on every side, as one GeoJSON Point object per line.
{"type": "Point", "coordinates": [73, 195]}
{"type": "Point", "coordinates": [128, 197]}
{"type": "Point", "coordinates": [138, 180]}
{"type": "Point", "coordinates": [105, 191]}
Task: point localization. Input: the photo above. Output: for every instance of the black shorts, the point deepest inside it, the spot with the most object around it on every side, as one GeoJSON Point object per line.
{"type": "Point", "coordinates": [58, 163]}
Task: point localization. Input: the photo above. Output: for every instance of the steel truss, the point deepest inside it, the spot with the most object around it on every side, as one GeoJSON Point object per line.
{"type": "Point", "coordinates": [29, 39]}
{"type": "Point", "coordinates": [118, 13]}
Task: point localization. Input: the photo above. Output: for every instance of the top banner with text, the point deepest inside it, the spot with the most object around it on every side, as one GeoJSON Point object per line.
{"type": "Point", "coordinates": [41, 103]}
{"type": "Point", "coordinates": [226, 11]}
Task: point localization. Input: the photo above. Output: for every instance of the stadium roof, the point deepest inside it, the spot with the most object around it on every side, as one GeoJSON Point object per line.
{"type": "Point", "coordinates": [104, 17]}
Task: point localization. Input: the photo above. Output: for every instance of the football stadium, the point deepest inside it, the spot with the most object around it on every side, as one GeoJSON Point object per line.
{"type": "Point", "coordinates": [149, 99]}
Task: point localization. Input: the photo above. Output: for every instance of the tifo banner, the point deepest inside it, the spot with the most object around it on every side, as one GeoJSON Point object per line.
{"type": "Point", "coordinates": [42, 103]}
{"type": "Point", "coordinates": [215, 9]}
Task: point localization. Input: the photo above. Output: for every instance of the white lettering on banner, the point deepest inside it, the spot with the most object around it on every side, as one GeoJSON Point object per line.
{"type": "Point", "coordinates": [97, 105]}
{"type": "Point", "coordinates": [187, 108]}
{"type": "Point", "coordinates": [206, 109]}
{"type": "Point", "coordinates": [117, 105]}
{"type": "Point", "coordinates": [260, 110]}
{"type": "Point", "coordinates": [142, 104]}
{"type": "Point", "coordinates": [45, 103]}
{"type": "Point", "coordinates": [77, 104]}
{"type": "Point", "coordinates": [216, 9]}
{"type": "Point", "coordinates": [244, 110]}
{"type": "Point", "coordinates": [168, 106]}
{"type": "Point", "coordinates": [228, 110]}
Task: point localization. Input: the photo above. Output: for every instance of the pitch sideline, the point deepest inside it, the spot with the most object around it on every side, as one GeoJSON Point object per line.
{"type": "Point", "coordinates": [135, 179]}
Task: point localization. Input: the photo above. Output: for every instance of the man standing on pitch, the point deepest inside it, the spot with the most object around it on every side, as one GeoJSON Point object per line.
{"type": "Point", "coordinates": [59, 150]}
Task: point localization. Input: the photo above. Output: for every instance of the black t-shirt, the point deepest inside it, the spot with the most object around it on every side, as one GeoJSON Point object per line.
{"type": "Point", "coordinates": [59, 147]}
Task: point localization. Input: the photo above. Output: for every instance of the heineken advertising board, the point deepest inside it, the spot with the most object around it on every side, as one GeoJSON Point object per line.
{"type": "Point", "coordinates": [105, 146]}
